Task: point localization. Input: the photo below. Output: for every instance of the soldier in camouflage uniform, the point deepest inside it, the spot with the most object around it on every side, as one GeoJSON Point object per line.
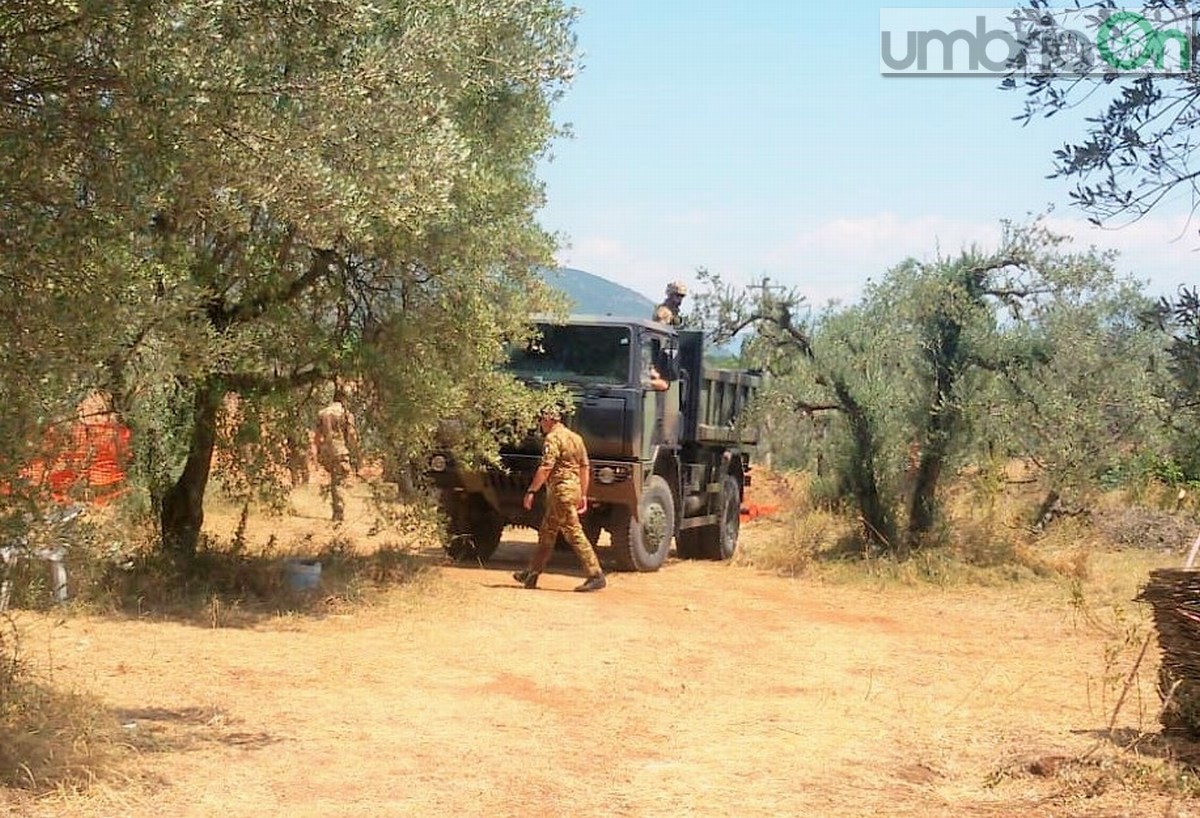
{"type": "Point", "coordinates": [668, 311]}
{"type": "Point", "coordinates": [336, 439]}
{"type": "Point", "coordinates": [565, 471]}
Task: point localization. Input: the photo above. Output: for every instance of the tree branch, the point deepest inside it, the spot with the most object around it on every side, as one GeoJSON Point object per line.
{"type": "Point", "coordinates": [250, 383]}
{"type": "Point", "coordinates": [323, 262]}
{"type": "Point", "coordinates": [813, 408]}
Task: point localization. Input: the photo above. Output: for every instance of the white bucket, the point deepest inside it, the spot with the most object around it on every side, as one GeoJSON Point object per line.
{"type": "Point", "coordinates": [302, 575]}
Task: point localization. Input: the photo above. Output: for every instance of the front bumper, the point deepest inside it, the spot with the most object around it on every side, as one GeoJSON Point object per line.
{"type": "Point", "coordinates": [612, 482]}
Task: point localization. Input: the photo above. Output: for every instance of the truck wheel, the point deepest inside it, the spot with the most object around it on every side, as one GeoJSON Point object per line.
{"type": "Point", "coordinates": [475, 530]}
{"type": "Point", "coordinates": [477, 547]}
{"type": "Point", "coordinates": [488, 529]}
{"type": "Point", "coordinates": [642, 545]}
{"type": "Point", "coordinates": [716, 542]}
{"type": "Point", "coordinates": [723, 540]}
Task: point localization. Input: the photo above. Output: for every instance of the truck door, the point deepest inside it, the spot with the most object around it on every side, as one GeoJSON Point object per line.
{"type": "Point", "coordinates": [661, 408]}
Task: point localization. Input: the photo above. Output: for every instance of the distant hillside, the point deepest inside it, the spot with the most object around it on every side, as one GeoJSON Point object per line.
{"type": "Point", "coordinates": [594, 295]}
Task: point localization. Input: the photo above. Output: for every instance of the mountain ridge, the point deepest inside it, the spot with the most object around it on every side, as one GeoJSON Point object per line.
{"type": "Point", "coordinates": [596, 295]}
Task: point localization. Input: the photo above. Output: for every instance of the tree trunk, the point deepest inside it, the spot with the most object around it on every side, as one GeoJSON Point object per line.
{"type": "Point", "coordinates": [1046, 511]}
{"type": "Point", "coordinates": [877, 523]}
{"type": "Point", "coordinates": [183, 504]}
{"type": "Point", "coordinates": [922, 510]}
{"type": "Point", "coordinates": [943, 346]}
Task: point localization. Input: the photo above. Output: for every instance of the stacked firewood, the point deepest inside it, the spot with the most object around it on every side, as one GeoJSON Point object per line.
{"type": "Point", "coordinates": [1174, 594]}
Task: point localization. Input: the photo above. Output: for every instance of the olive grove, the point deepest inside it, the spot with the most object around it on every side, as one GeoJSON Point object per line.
{"type": "Point", "coordinates": [1028, 350]}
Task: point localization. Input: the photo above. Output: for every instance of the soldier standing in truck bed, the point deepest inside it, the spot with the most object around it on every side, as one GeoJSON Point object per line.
{"type": "Point", "coordinates": [668, 311]}
{"type": "Point", "coordinates": [565, 471]}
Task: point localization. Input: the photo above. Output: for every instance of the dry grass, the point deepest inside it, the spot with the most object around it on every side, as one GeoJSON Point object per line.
{"type": "Point", "coordinates": [238, 574]}
{"type": "Point", "coordinates": [50, 740]}
{"type": "Point", "coordinates": [985, 539]}
{"type": "Point", "coordinates": [407, 687]}
{"type": "Point", "coordinates": [56, 741]}
{"type": "Point", "coordinates": [790, 541]}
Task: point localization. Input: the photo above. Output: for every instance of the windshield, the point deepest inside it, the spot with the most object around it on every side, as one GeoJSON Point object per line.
{"type": "Point", "coordinates": [581, 354]}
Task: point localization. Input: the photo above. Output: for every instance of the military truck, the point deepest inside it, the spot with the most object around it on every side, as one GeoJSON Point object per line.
{"type": "Point", "coordinates": [666, 465]}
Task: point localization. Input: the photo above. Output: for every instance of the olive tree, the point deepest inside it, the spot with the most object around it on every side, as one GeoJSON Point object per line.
{"type": "Point", "coordinates": [1179, 319]}
{"type": "Point", "coordinates": [1136, 150]}
{"type": "Point", "coordinates": [277, 195]}
{"type": "Point", "coordinates": [1134, 154]}
{"type": "Point", "coordinates": [67, 265]}
{"type": "Point", "coordinates": [1014, 349]}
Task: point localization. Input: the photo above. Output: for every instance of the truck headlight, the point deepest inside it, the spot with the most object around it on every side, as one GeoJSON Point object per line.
{"type": "Point", "coordinates": [606, 475]}
{"type": "Point", "coordinates": [437, 462]}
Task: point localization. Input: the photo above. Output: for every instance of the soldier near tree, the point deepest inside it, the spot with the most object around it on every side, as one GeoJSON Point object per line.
{"type": "Point", "coordinates": [336, 439]}
{"type": "Point", "coordinates": [565, 471]}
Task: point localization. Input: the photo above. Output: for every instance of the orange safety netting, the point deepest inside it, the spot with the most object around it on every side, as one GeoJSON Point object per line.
{"type": "Point", "coordinates": [88, 462]}
{"type": "Point", "coordinates": [752, 511]}
{"type": "Point", "coordinates": [765, 489]}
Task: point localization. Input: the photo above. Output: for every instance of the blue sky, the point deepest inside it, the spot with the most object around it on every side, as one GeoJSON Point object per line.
{"type": "Point", "coordinates": [759, 138]}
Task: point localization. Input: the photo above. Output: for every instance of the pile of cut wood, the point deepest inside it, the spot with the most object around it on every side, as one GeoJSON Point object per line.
{"type": "Point", "coordinates": [1174, 594]}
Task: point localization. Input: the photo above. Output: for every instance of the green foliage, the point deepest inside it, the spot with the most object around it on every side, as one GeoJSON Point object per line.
{"type": "Point", "coordinates": [205, 199]}
{"type": "Point", "coordinates": [1136, 150]}
{"type": "Point", "coordinates": [1149, 468]}
{"type": "Point", "coordinates": [1028, 350]}
{"type": "Point", "coordinates": [1180, 391]}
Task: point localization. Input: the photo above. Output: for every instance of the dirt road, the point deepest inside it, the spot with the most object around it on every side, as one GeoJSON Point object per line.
{"type": "Point", "coordinates": [701, 690]}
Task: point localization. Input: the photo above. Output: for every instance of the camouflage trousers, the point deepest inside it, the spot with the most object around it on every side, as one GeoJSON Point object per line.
{"type": "Point", "coordinates": [562, 516]}
{"type": "Point", "coordinates": [339, 469]}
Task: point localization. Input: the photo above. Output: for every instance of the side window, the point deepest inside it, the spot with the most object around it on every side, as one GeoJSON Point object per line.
{"type": "Point", "coordinates": [649, 355]}
{"type": "Point", "coordinates": [658, 355]}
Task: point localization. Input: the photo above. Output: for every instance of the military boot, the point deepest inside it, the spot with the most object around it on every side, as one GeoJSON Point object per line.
{"type": "Point", "coordinates": [593, 583]}
{"type": "Point", "coordinates": [527, 578]}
